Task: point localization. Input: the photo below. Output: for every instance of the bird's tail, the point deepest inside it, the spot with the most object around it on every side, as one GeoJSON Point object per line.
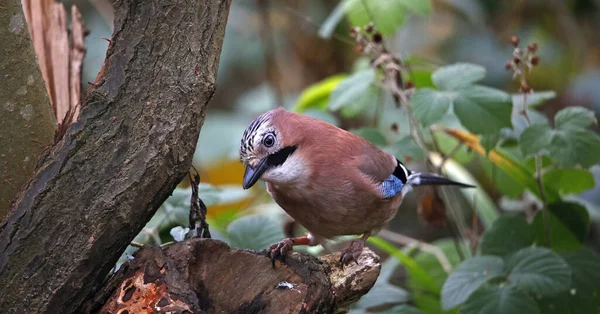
{"type": "Point", "coordinates": [417, 179]}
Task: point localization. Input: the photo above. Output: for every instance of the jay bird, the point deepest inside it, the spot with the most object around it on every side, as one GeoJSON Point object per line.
{"type": "Point", "coordinates": [329, 180]}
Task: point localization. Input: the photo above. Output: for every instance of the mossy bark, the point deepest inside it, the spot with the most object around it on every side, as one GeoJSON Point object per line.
{"type": "Point", "coordinates": [27, 122]}
{"type": "Point", "coordinates": [133, 143]}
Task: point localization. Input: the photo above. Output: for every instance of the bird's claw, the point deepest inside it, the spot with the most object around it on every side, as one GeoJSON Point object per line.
{"type": "Point", "coordinates": [279, 250]}
{"type": "Point", "coordinates": [352, 253]}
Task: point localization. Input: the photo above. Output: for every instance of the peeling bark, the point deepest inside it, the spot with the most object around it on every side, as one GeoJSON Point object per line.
{"type": "Point", "coordinates": [134, 141]}
{"type": "Point", "coordinates": [206, 276]}
{"type": "Point", "coordinates": [26, 118]}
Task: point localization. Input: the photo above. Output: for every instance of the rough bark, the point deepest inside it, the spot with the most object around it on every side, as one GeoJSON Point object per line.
{"type": "Point", "coordinates": [26, 116]}
{"type": "Point", "coordinates": [206, 276]}
{"type": "Point", "coordinates": [133, 142]}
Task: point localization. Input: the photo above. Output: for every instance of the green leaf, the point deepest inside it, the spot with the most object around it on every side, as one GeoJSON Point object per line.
{"type": "Point", "coordinates": [468, 277]}
{"type": "Point", "coordinates": [568, 146]}
{"type": "Point", "coordinates": [584, 294]}
{"type": "Point", "coordinates": [249, 232]}
{"type": "Point", "coordinates": [506, 184]}
{"type": "Point", "coordinates": [535, 138]}
{"type": "Point", "coordinates": [458, 75]}
{"type": "Point", "coordinates": [574, 117]}
{"type": "Point", "coordinates": [317, 95]}
{"type": "Point", "coordinates": [489, 141]}
{"type": "Point", "coordinates": [334, 18]}
{"type": "Point", "coordinates": [406, 147]}
{"type": "Point", "coordinates": [533, 100]}
{"type": "Point", "coordinates": [422, 7]}
{"type": "Point", "coordinates": [519, 123]}
{"type": "Point", "coordinates": [539, 271]}
{"type": "Point", "coordinates": [372, 135]}
{"type": "Point", "coordinates": [421, 78]}
{"type": "Point", "coordinates": [483, 110]}
{"type": "Point", "coordinates": [500, 300]}
{"type": "Point", "coordinates": [383, 293]}
{"type": "Point", "coordinates": [429, 105]}
{"type": "Point", "coordinates": [417, 275]}
{"type": "Point", "coordinates": [509, 234]}
{"type": "Point", "coordinates": [569, 226]}
{"type": "Point", "coordinates": [387, 15]}
{"type": "Point", "coordinates": [351, 89]}
{"type": "Point", "coordinates": [568, 181]}
{"type": "Point", "coordinates": [401, 309]}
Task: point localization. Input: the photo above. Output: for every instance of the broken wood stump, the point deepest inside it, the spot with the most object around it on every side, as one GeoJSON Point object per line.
{"type": "Point", "coordinates": [207, 276]}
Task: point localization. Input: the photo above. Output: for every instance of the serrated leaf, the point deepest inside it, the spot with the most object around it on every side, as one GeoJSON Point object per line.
{"type": "Point", "coordinates": [500, 300]}
{"type": "Point", "coordinates": [569, 226]}
{"type": "Point", "coordinates": [574, 117]}
{"type": "Point", "coordinates": [483, 110]}
{"type": "Point", "coordinates": [372, 135]}
{"type": "Point", "coordinates": [569, 181]}
{"type": "Point", "coordinates": [509, 234]}
{"type": "Point", "coordinates": [567, 146]}
{"type": "Point", "coordinates": [317, 95]}
{"type": "Point", "coordinates": [533, 100]}
{"type": "Point", "coordinates": [429, 105]}
{"type": "Point", "coordinates": [535, 138]}
{"type": "Point", "coordinates": [539, 271]}
{"type": "Point", "coordinates": [406, 147]}
{"type": "Point", "coordinates": [457, 76]}
{"type": "Point", "coordinates": [468, 277]}
{"type": "Point", "coordinates": [351, 88]}
{"type": "Point", "coordinates": [584, 294]}
{"type": "Point", "coordinates": [254, 232]}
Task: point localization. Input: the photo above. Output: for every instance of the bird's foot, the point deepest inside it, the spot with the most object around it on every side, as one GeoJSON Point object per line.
{"type": "Point", "coordinates": [352, 253]}
{"type": "Point", "coordinates": [279, 250]}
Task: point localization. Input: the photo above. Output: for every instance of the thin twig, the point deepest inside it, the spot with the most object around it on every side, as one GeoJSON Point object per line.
{"type": "Point", "coordinates": [425, 247]}
{"type": "Point", "coordinates": [137, 245]}
{"type": "Point", "coordinates": [267, 37]}
{"type": "Point", "coordinates": [474, 228]}
{"type": "Point", "coordinates": [538, 158]}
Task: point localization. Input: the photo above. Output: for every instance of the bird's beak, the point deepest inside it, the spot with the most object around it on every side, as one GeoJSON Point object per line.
{"type": "Point", "coordinates": [251, 175]}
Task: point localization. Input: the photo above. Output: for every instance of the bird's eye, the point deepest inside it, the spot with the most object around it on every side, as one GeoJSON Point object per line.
{"type": "Point", "coordinates": [269, 140]}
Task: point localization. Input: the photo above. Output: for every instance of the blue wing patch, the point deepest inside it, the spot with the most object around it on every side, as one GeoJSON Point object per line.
{"type": "Point", "coordinates": [390, 187]}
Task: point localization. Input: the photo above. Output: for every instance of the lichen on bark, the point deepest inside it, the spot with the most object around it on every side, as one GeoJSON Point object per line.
{"type": "Point", "coordinates": [26, 117]}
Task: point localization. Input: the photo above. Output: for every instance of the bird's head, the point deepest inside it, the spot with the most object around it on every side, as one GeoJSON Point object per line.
{"type": "Point", "coordinates": [265, 147]}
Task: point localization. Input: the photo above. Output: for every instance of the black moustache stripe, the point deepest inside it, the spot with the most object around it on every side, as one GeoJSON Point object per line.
{"type": "Point", "coordinates": [399, 172]}
{"type": "Point", "coordinates": [278, 158]}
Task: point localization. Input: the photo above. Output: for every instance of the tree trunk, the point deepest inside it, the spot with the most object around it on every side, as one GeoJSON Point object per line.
{"type": "Point", "coordinates": [134, 140]}
{"type": "Point", "coordinates": [206, 276]}
{"type": "Point", "coordinates": [26, 116]}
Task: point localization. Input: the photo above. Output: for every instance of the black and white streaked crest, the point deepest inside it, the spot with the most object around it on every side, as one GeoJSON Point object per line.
{"type": "Point", "coordinates": [247, 143]}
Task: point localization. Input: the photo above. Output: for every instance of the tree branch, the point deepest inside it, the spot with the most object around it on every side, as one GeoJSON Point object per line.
{"type": "Point", "coordinates": [206, 276]}
{"type": "Point", "coordinates": [133, 142]}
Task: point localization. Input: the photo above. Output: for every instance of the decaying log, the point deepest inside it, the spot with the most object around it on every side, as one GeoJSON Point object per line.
{"type": "Point", "coordinates": [132, 144]}
{"type": "Point", "coordinates": [206, 276]}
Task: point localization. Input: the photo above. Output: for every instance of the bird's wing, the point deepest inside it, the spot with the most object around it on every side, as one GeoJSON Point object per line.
{"type": "Point", "coordinates": [375, 163]}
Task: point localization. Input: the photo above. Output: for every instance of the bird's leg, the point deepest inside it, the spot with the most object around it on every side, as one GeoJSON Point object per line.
{"type": "Point", "coordinates": [352, 253]}
{"type": "Point", "coordinates": [280, 248]}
